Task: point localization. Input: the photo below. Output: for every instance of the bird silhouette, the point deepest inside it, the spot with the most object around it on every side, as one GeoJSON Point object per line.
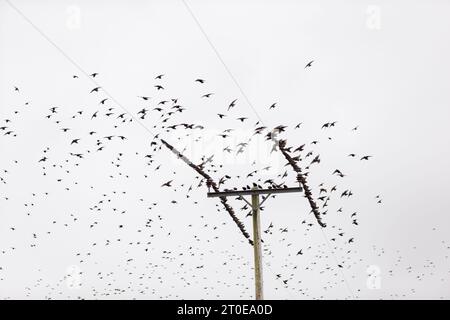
{"type": "Point", "coordinates": [232, 104]}
{"type": "Point", "coordinates": [309, 64]}
{"type": "Point", "coordinates": [167, 184]}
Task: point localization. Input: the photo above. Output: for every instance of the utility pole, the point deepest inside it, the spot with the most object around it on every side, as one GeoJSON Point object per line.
{"type": "Point", "coordinates": [256, 206]}
{"type": "Point", "coordinates": [257, 247]}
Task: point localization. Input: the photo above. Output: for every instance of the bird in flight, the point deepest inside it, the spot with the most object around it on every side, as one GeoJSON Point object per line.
{"type": "Point", "coordinates": [340, 174]}
{"type": "Point", "coordinates": [365, 158]}
{"type": "Point", "coordinates": [93, 75]}
{"type": "Point", "coordinates": [94, 115]}
{"type": "Point", "coordinates": [159, 76]}
{"type": "Point", "coordinates": [273, 106]}
{"type": "Point", "coordinates": [309, 64]}
{"type": "Point", "coordinates": [158, 87]}
{"type": "Point", "coordinates": [200, 80]}
{"type": "Point", "coordinates": [167, 184]}
{"type": "Point", "coordinates": [207, 95]}
{"type": "Point", "coordinates": [232, 104]}
{"type": "Point", "coordinates": [95, 89]}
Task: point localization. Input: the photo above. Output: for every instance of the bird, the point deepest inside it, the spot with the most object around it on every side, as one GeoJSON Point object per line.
{"type": "Point", "coordinates": [232, 104]}
{"type": "Point", "coordinates": [93, 75]}
{"type": "Point", "coordinates": [207, 95]}
{"type": "Point", "coordinates": [365, 158]}
{"type": "Point", "coordinates": [167, 184]}
{"type": "Point", "coordinates": [95, 89]}
{"type": "Point", "coordinates": [316, 160]}
{"type": "Point", "coordinates": [273, 106]}
{"type": "Point", "coordinates": [309, 64]}
{"type": "Point", "coordinates": [159, 87]}
{"type": "Point", "coordinates": [338, 172]}
{"type": "Point", "coordinates": [159, 76]}
{"type": "Point", "coordinates": [200, 80]}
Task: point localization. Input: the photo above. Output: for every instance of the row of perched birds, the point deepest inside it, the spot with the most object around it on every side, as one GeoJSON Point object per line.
{"type": "Point", "coordinates": [158, 253]}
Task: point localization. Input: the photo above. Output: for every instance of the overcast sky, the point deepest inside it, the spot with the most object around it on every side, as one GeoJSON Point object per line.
{"type": "Point", "coordinates": [379, 65]}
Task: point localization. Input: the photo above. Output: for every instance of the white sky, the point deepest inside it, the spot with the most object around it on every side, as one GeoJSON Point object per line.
{"type": "Point", "coordinates": [380, 65]}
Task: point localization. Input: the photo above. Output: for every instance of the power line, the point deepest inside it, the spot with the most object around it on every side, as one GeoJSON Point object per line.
{"type": "Point", "coordinates": [76, 65]}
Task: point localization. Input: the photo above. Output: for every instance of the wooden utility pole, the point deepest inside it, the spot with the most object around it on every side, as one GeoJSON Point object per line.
{"type": "Point", "coordinates": [257, 247]}
{"type": "Point", "coordinates": [255, 205]}
{"type": "Point", "coordinates": [256, 208]}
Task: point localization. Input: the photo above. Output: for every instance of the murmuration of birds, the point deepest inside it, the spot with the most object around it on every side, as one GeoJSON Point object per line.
{"type": "Point", "coordinates": [163, 113]}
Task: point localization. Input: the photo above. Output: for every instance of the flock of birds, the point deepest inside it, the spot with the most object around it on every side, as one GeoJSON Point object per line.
{"type": "Point", "coordinates": [146, 277]}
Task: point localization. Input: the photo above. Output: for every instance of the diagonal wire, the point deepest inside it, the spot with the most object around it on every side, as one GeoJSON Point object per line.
{"type": "Point", "coordinates": [336, 261]}
{"type": "Point", "coordinates": [76, 65]}
{"type": "Point", "coordinates": [219, 57]}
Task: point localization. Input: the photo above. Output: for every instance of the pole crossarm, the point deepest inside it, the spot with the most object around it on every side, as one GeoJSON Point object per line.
{"type": "Point", "coordinates": [255, 209]}
{"type": "Point", "coordinates": [252, 192]}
